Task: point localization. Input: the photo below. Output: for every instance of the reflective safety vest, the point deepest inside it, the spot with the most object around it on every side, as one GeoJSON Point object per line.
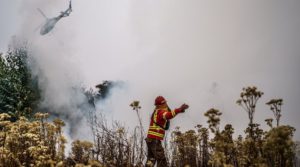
{"type": "Point", "coordinates": [158, 122]}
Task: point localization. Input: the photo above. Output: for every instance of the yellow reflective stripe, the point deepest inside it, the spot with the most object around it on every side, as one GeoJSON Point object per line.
{"type": "Point", "coordinates": [164, 117]}
{"type": "Point", "coordinates": [155, 128]}
{"type": "Point", "coordinates": [155, 116]}
{"type": "Point", "coordinates": [156, 134]}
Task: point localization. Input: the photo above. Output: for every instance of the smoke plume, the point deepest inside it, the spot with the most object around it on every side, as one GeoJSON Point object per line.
{"type": "Point", "coordinates": [197, 52]}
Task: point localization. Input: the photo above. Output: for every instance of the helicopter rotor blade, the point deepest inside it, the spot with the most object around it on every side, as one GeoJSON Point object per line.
{"type": "Point", "coordinates": [42, 13]}
{"type": "Point", "coordinates": [70, 5]}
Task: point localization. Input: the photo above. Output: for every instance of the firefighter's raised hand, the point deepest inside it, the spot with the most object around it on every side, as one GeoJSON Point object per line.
{"type": "Point", "coordinates": [184, 107]}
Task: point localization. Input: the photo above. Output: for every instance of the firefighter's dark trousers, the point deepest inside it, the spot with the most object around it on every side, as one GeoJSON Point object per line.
{"type": "Point", "coordinates": [156, 153]}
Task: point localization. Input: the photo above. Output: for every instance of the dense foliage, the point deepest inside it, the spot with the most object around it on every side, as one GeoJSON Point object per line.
{"type": "Point", "coordinates": [19, 93]}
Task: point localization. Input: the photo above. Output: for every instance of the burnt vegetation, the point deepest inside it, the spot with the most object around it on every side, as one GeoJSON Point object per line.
{"type": "Point", "coordinates": [29, 138]}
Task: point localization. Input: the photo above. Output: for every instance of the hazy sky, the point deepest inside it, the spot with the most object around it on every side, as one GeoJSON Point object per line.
{"type": "Point", "coordinates": [199, 52]}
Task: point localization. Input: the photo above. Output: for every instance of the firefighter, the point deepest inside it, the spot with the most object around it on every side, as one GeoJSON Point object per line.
{"type": "Point", "coordinates": [160, 122]}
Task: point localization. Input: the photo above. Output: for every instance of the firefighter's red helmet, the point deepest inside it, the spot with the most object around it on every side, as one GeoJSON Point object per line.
{"type": "Point", "coordinates": [160, 100]}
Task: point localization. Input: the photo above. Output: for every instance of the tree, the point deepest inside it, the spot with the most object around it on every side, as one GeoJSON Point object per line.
{"type": "Point", "coordinates": [19, 92]}
{"type": "Point", "coordinates": [203, 138]}
{"type": "Point", "coordinates": [104, 89]}
{"type": "Point", "coordinates": [269, 122]}
{"type": "Point", "coordinates": [248, 100]}
{"type": "Point", "coordinates": [279, 146]}
{"type": "Point", "coordinates": [241, 157]}
{"type": "Point", "coordinates": [81, 151]}
{"type": "Point", "coordinates": [275, 106]}
{"type": "Point", "coordinates": [253, 145]}
{"type": "Point", "coordinates": [228, 146]}
{"type": "Point", "coordinates": [136, 107]}
{"type": "Point", "coordinates": [217, 155]}
{"type": "Point", "coordinates": [213, 119]}
{"type": "Point", "coordinates": [30, 143]}
{"type": "Point", "coordinates": [184, 148]}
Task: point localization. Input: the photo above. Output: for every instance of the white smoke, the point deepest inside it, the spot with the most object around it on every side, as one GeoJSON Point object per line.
{"type": "Point", "coordinates": [197, 52]}
{"type": "Point", "coordinates": [58, 71]}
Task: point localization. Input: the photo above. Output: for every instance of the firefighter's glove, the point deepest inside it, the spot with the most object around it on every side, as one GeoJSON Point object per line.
{"type": "Point", "coordinates": [184, 107]}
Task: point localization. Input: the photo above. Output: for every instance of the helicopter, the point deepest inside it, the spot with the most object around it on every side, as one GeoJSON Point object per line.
{"type": "Point", "coordinates": [50, 22]}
